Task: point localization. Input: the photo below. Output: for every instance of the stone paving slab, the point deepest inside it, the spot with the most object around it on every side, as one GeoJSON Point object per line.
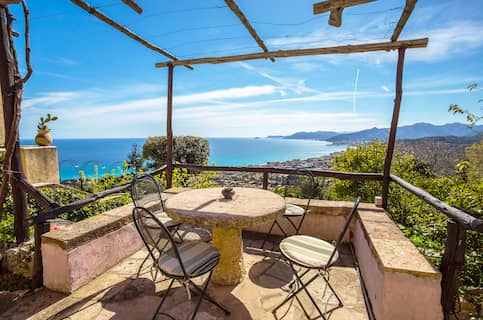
{"type": "Point", "coordinates": [117, 294]}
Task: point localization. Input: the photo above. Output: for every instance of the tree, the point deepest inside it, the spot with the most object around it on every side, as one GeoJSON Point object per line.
{"type": "Point", "coordinates": [186, 149]}
{"type": "Point", "coordinates": [135, 158]}
{"type": "Point", "coordinates": [471, 118]}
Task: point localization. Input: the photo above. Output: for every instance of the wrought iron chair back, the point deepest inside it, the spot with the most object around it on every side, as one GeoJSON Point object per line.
{"type": "Point", "coordinates": [157, 240]}
{"type": "Point", "coordinates": [146, 192]}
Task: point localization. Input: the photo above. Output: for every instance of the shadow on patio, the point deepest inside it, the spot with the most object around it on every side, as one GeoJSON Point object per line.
{"type": "Point", "coordinates": [117, 294]}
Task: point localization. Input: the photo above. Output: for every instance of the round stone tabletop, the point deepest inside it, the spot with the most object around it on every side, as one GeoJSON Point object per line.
{"type": "Point", "coordinates": [208, 207]}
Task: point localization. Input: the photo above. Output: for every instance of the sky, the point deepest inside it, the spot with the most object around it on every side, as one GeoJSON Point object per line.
{"type": "Point", "coordinates": [101, 84]}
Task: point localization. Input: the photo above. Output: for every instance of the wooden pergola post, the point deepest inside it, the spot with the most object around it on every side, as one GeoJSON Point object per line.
{"type": "Point", "coordinates": [392, 133]}
{"type": "Point", "coordinates": [8, 74]}
{"type": "Point", "coordinates": [169, 130]}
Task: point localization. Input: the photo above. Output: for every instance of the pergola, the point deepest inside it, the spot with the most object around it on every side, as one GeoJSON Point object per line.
{"type": "Point", "coordinates": [12, 85]}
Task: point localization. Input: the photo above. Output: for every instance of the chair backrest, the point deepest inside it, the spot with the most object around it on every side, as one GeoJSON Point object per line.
{"type": "Point", "coordinates": [307, 189]}
{"type": "Point", "coordinates": [344, 230]}
{"type": "Point", "coordinates": [156, 237]}
{"type": "Point", "coordinates": [145, 192]}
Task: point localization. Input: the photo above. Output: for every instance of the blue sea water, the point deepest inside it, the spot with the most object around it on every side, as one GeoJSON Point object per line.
{"type": "Point", "coordinates": [108, 154]}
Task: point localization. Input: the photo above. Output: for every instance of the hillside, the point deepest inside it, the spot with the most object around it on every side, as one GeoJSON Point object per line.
{"type": "Point", "coordinates": [414, 131]}
{"type": "Point", "coordinates": [441, 154]}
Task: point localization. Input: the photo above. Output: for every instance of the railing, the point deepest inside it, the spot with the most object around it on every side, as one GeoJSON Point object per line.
{"type": "Point", "coordinates": [453, 257]}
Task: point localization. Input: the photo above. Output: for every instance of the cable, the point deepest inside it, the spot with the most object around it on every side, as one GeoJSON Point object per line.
{"type": "Point", "coordinates": [175, 11]}
{"type": "Point", "coordinates": [163, 34]}
{"type": "Point", "coordinates": [206, 40]}
{"type": "Point", "coordinates": [62, 13]}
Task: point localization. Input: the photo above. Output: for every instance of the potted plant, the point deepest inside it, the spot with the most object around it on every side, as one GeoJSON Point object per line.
{"type": "Point", "coordinates": [43, 137]}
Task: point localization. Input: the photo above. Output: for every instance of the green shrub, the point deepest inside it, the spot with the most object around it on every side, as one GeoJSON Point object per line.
{"type": "Point", "coordinates": [186, 149]}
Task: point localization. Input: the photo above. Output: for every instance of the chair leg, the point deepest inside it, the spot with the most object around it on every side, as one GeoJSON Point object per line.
{"type": "Point", "coordinates": [303, 286]}
{"type": "Point", "coordinates": [275, 223]}
{"type": "Point", "coordinates": [162, 299]}
{"type": "Point", "coordinates": [142, 265]}
{"type": "Point", "coordinates": [204, 295]}
{"type": "Point", "coordinates": [268, 234]}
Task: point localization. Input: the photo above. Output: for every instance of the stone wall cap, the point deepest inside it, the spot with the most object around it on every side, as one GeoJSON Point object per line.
{"type": "Point", "coordinates": [393, 250]}
{"type": "Point", "coordinates": [81, 232]}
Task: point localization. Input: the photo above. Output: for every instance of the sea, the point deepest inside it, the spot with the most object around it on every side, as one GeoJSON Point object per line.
{"type": "Point", "coordinates": [108, 154]}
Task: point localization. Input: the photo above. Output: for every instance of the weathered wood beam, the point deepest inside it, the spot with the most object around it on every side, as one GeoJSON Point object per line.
{"type": "Point", "coordinates": [356, 48]}
{"type": "Point", "coordinates": [41, 198]}
{"type": "Point", "coordinates": [9, 2]}
{"type": "Point", "coordinates": [169, 130]}
{"type": "Point", "coordinates": [315, 173]}
{"type": "Point", "coordinates": [451, 264]}
{"type": "Point", "coordinates": [408, 9]}
{"type": "Point", "coordinates": [99, 15]}
{"type": "Point", "coordinates": [392, 132]}
{"type": "Point", "coordinates": [331, 5]}
{"type": "Point", "coordinates": [458, 215]}
{"type": "Point", "coordinates": [237, 11]}
{"type": "Point", "coordinates": [133, 5]}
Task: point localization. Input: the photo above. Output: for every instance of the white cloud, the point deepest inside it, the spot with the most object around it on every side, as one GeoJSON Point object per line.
{"type": "Point", "coordinates": [50, 98]}
{"type": "Point", "coordinates": [385, 88]}
{"type": "Point", "coordinates": [295, 85]}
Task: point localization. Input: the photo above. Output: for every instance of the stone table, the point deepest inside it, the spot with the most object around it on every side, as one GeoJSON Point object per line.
{"type": "Point", "coordinates": [208, 208]}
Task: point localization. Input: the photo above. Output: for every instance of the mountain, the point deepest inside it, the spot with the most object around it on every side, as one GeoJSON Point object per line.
{"type": "Point", "coordinates": [414, 131]}
{"type": "Point", "coordinates": [317, 135]}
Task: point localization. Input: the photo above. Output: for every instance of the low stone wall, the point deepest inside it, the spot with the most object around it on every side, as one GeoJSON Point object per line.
{"type": "Point", "coordinates": [400, 282]}
{"type": "Point", "coordinates": [74, 255]}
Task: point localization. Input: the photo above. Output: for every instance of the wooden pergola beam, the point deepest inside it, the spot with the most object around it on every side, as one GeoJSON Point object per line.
{"type": "Point", "coordinates": [331, 5]}
{"type": "Point", "coordinates": [9, 2]}
{"type": "Point", "coordinates": [237, 11]}
{"type": "Point", "coordinates": [133, 5]}
{"type": "Point", "coordinates": [99, 15]}
{"type": "Point", "coordinates": [357, 48]}
{"type": "Point", "coordinates": [408, 9]}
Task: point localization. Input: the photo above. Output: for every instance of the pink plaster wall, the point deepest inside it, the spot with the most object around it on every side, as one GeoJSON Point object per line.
{"type": "Point", "coordinates": [67, 271]}
{"type": "Point", "coordinates": [396, 295]}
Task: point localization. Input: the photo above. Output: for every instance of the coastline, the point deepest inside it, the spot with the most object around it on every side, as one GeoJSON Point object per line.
{"type": "Point", "coordinates": [249, 179]}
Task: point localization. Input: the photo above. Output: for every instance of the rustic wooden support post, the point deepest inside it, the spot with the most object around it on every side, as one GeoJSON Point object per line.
{"type": "Point", "coordinates": [265, 180]}
{"type": "Point", "coordinates": [452, 263]}
{"type": "Point", "coordinates": [169, 130]}
{"type": "Point", "coordinates": [392, 133]}
{"type": "Point", "coordinates": [8, 72]}
{"type": "Point", "coordinates": [37, 272]}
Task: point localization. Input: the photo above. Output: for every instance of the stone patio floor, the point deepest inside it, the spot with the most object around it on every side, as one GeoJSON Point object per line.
{"type": "Point", "coordinates": [118, 294]}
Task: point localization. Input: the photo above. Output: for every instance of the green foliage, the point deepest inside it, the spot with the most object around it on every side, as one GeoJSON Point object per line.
{"type": "Point", "coordinates": [43, 122]}
{"type": "Point", "coordinates": [471, 118]}
{"type": "Point", "coordinates": [135, 158]}
{"type": "Point", "coordinates": [423, 225]}
{"type": "Point", "coordinates": [186, 149]}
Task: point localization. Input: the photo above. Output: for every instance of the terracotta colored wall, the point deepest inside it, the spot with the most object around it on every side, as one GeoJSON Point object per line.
{"type": "Point", "coordinates": [65, 271]}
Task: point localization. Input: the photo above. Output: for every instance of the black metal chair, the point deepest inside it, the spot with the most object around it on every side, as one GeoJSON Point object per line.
{"type": "Point", "coordinates": [294, 212]}
{"type": "Point", "coordinates": [145, 192]}
{"type": "Point", "coordinates": [178, 262]}
{"type": "Point", "coordinates": [312, 253]}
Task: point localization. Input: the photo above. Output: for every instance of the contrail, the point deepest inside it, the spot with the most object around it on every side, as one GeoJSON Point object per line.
{"type": "Point", "coordinates": [355, 92]}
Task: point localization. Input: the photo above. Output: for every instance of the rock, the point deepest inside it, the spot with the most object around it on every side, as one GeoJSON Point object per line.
{"type": "Point", "coordinates": [19, 260]}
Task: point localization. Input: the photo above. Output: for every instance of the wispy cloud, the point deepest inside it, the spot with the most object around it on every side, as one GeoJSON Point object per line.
{"type": "Point", "coordinates": [50, 98]}
{"type": "Point", "coordinates": [385, 88]}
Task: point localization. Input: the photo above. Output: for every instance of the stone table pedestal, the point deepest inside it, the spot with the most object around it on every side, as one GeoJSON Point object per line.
{"type": "Point", "coordinates": [227, 217]}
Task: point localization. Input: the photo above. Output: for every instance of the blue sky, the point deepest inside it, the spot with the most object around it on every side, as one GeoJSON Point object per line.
{"type": "Point", "coordinates": [100, 83]}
